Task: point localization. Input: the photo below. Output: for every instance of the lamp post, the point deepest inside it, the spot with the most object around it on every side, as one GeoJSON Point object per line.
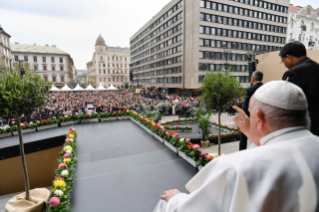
{"type": "Point", "coordinates": [164, 79]}
{"type": "Point", "coordinates": [226, 64]}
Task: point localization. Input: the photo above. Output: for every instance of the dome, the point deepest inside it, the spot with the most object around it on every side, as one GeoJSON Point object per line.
{"type": "Point", "coordinates": [100, 41]}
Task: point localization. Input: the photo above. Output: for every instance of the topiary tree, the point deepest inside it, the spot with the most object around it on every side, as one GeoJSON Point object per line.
{"type": "Point", "coordinates": [20, 95]}
{"type": "Point", "coordinates": [219, 90]}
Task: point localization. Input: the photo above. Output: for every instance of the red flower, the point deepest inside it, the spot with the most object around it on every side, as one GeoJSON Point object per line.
{"type": "Point", "coordinates": [177, 126]}
{"type": "Point", "coordinates": [43, 121]}
{"type": "Point", "coordinates": [190, 146]}
{"type": "Point", "coordinates": [166, 126]}
{"type": "Point", "coordinates": [60, 117]}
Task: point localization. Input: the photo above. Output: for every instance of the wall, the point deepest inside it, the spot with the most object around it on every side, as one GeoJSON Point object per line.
{"type": "Point", "coordinates": [41, 169]}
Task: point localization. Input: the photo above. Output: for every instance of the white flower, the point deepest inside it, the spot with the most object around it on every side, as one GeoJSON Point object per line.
{"type": "Point", "coordinates": [59, 193]}
{"type": "Point", "coordinates": [31, 122]}
{"type": "Point", "coordinates": [68, 151]}
{"type": "Point", "coordinates": [76, 114]}
{"type": "Point", "coordinates": [65, 173]}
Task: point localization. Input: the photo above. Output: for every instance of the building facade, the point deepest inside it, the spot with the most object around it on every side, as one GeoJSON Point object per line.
{"type": "Point", "coordinates": [189, 38]}
{"type": "Point", "coordinates": [5, 50]}
{"type": "Point", "coordinates": [303, 26]}
{"type": "Point", "coordinates": [109, 65]}
{"type": "Point", "coordinates": [50, 62]}
{"type": "Point", "coordinates": [82, 77]}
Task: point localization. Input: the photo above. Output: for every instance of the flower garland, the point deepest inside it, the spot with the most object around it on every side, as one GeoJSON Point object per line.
{"type": "Point", "coordinates": [63, 185]}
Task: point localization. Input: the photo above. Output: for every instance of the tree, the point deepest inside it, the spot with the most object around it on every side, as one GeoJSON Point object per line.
{"type": "Point", "coordinates": [154, 115]}
{"type": "Point", "coordinates": [20, 95]}
{"type": "Point", "coordinates": [220, 90]}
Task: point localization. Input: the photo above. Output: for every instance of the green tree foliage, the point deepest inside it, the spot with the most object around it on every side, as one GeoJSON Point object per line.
{"type": "Point", "coordinates": [154, 115]}
{"type": "Point", "coordinates": [21, 95]}
{"type": "Point", "coordinates": [220, 90]}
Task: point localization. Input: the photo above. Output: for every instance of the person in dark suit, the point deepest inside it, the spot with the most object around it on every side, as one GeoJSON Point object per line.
{"type": "Point", "coordinates": [304, 73]}
{"type": "Point", "coordinates": [256, 81]}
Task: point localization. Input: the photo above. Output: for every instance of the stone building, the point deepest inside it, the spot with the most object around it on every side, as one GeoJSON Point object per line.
{"type": "Point", "coordinates": [188, 38]}
{"type": "Point", "coordinates": [109, 65]}
{"type": "Point", "coordinates": [5, 50]}
{"type": "Point", "coordinates": [303, 26]}
{"type": "Point", "coordinates": [50, 62]}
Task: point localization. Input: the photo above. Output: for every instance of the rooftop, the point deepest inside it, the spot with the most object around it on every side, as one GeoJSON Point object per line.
{"type": "Point", "coordinates": [294, 9]}
{"type": "Point", "coordinates": [117, 49]}
{"type": "Point", "coordinates": [25, 48]}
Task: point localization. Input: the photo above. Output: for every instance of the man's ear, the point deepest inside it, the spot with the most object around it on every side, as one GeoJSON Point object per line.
{"type": "Point", "coordinates": [260, 120]}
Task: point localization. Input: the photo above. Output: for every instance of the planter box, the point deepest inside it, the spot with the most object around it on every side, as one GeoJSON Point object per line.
{"type": "Point", "coordinates": [158, 138]}
{"type": "Point", "coordinates": [200, 168]}
{"type": "Point", "coordinates": [108, 119]}
{"type": "Point", "coordinates": [93, 120]}
{"type": "Point", "coordinates": [69, 123]}
{"type": "Point", "coordinates": [169, 145]}
{"type": "Point", "coordinates": [188, 159]}
{"type": "Point", "coordinates": [183, 130]}
{"type": "Point", "coordinates": [5, 135]}
{"type": "Point", "coordinates": [24, 131]}
{"type": "Point", "coordinates": [47, 127]}
{"type": "Point", "coordinates": [123, 117]}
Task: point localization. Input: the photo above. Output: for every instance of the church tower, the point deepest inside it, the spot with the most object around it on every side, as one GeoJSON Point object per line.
{"type": "Point", "coordinates": [100, 44]}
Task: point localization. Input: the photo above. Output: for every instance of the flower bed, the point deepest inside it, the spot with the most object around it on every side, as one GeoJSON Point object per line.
{"type": "Point", "coordinates": [178, 128]}
{"type": "Point", "coordinates": [187, 120]}
{"type": "Point", "coordinates": [5, 132]}
{"type": "Point", "coordinates": [63, 184]}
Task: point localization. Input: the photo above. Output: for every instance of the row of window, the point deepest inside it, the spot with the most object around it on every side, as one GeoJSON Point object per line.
{"type": "Point", "coordinates": [241, 79]}
{"type": "Point", "coordinates": [160, 80]}
{"type": "Point", "coordinates": [117, 65]}
{"type": "Point", "coordinates": [241, 35]}
{"type": "Point", "coordinates": [174, 70]}
{"type": "Point", "coordinates": [169, 61]}
{"type": "Point", "coordinates": [117, 79]}
{"type": "Point", "coordinates": [159, 38]}
{"type": "Point", "coordinates": [222, 56]}
{"type": "Point", "coordinates": [109, 71]}
{"type": "Point", "coordinates": [53, 68]}
{"type": "Point", "coordinates": [158, 21]}
{"type": "Point", "coordinates": [54, 78]}
{"type": "Point", "coordinates": [243, 11]}
{"type": "Point", "coordinates": [158, 55]}
{"type": "Point", "coordinates": [241, 23]}
{"type": "Point", "coordinates": [158, 47]}
{"type": "Point", "coordinates": [236, 45]}
{"type": "Point", "coordinates": [35, 59]}
{"type": "Point", "coordinates": [222, 67]}
{"type": "Point", "coordinates": [257, 3]}
{"type": "Point", "coordinates": [114, 58]}
{"type": "Point", "coordinates": [158, 30]}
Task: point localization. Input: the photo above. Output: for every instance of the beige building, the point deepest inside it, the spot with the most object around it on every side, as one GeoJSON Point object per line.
{"type": "Point", "coordinates": [5, 50]}
{"type": "Point", "coordinates": [50, 62]}
{"type": "Point", "coordinates": [109, 65]}
{"type": "Point", "coordinates": [303, 26]}
{"type": "Point", "coordinates": [188, 38]}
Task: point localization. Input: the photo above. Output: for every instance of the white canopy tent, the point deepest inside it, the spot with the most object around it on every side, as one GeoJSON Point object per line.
{"type": "Point", "coordinates": [54, 88]}
{"type": "Point", "coordinates": [101, 88]}
{"type": "Point", "coordinates": [66, 88]}
{"type": "Point", "coordinates": [90, 88]}
{"type": "Point", "coordinates": [112, 88]}
{"type": "Point", "coordinates": [78, 88]}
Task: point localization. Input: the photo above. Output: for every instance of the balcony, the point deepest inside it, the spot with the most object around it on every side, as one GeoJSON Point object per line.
{"type": "Point", "coordinates": [311, 44]}
{"type": "Point", "coordinates": [303, 28]}
{"type": "Point", "coordinates": [291, 40]}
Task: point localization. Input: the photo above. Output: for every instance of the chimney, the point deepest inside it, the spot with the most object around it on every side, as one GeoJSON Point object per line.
{"type": "Point", "coordinates": [46, 45]}
{"type": "Point", "coordinates": [16, 42]}
{"type": "Point", "coordinates": [53, 45]}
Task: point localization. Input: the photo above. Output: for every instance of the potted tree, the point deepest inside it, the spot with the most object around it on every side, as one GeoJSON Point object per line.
{"type": "Point", "coordinates": [20, 95]}
{"type": "Point", "coordinates": [203, 125]}
{"type": "Point", "coordinates": [219, 90]}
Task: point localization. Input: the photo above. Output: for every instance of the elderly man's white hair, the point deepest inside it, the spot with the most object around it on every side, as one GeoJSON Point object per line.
{"type": "Point", "coordinates": [280, 118]}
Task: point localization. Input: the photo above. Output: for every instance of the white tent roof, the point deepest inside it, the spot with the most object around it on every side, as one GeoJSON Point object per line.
{"type": "Point", "coordinates": [54, 88]}
{"type": "Point", "coordinates": [66, 88]}
{"type": "Point", "coordinates": [112, 87]}
{"type": "Point", "coordinates": [90, 88]}
{"type": "Point", "coordinates": [78, 88]}
{"type": "Point", "coordinates": [101, 88]}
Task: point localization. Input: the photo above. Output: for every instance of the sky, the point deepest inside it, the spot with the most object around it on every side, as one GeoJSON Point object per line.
{"type": "Point", "coordinates": [74, 25]}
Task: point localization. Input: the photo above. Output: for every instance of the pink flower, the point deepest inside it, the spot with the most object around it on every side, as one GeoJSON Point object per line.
{"type": "Point", "coordinates": [13, 122]}
{"type": "Point", "coordinates": [196, 146]}
{"type": "Point", "coordinates": [68, 140]}
{"type": "Point", "coordinates": [176, 135]}
{"type": "Point", "coordinates": [167, 133]}
{"type": "Point", "coordinates": [204, 154]}
{"type": "Point", "coordinates": [66, 155]}
{"type": "Point", "coordinates": [70, 128]}
{"type": "Point", "coordinates": [61, 165]}
{"type": "Point", "coordinates": [64, 150]}
{"type": "Point", "coordinates": [55, 201]}
{"type": "Point", "coordinates": [188, 140]}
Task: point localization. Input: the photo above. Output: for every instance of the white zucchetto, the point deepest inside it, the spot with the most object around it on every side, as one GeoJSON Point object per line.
{"type": "Point", "coordinates": [282, 94]}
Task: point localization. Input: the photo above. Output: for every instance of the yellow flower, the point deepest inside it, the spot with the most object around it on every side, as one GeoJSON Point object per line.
{"type": "Point", "coordinates": [66, 116]}
{"type": "Point", "coordinates": [181, 140]}
{"type": "Point", "coordinates": [53, 190]}
{"type": "Point", "coordinates": [68, 147]}
{"type": "Point", "coordinates": [127, 111]}
{"type": "Point", "coordinates": [65, 197]}
{"type": "Point", "coordinates": [59, 183]}
{"type": "Point", "coordinates": [67, 160]}
{"type": "Point", "coordinates": [71, 136]}
{"type": "Point", "coordinates": [38, 122]}
{"type": "Point", "coordinates": [21, 125]}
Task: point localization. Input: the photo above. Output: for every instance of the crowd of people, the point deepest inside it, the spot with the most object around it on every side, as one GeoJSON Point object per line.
{"type": "Point", "coordinates": [60, 104]}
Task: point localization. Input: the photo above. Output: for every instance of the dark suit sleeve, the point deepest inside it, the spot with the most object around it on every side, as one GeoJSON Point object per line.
{"type": "Point", "coordinates": [293, 78]}
{"type": "Point", "coordinates": [246, 102]}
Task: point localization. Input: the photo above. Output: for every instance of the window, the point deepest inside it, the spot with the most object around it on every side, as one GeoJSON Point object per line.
{"type": "Point", "coordinates": [302, 23]}
{"type": "Point", "coordinates": [45, 78]}
{"type": "Point", "coordinates": [61, 68]}
{"type": "Point", "coordinates": [52, 59]}
{"type": "Point", "coordinates": [34, 59]}
{"type": "Point", "coordinates": [44, 68]}
{"type": "Point", "coordinates": [44, 59]}
{"type": "Point", "coordinates": [109, 79]}
{"type": "Point", "coordinates": [311, 27]}
{"type": "Point", "coordinates": [54, 79]}
{"type": "Point", "coordinates": [35, 68]}
{"type": "Point", "coordinates": [53, 68]}
{"type": "Point", "coordinates": [26, 58]}
{"type": "Point", "coordinates": [108, 71]}
{"type": "Point", "coordinates": [61, 59]}
{"type": "Point", "coordinates": [62, 78]}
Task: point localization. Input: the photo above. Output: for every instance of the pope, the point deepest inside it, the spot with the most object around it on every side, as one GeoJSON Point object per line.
{"type": "Point", "coordinates": [280, 174]}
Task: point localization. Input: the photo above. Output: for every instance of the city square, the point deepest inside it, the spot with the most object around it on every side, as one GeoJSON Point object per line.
{"type": "Point", "coordinates": [174, 106]}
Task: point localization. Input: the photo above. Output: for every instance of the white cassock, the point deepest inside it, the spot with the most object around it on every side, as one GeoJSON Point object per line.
{"type": "Point", "coordinates": [279, 176]}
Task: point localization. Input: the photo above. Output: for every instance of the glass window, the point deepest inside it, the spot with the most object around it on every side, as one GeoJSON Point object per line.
{"type": "Point", "coordinates": [219, 31]}
{"type": "Point", "coordinates": [214, 6]}
{"type": "Point", "coordinates": [220, 7]}
{"type": "Point", "coordinates": [207, 30]}
{"type": "Point", "coordinates": [201, 29]}
{"type": "Point", "coordinates": [201, 55]}
{"type": "Point", "coordinates": [202, 3]}
{"type": "Point", "coordinates": [230, 9]}
{"type": "Point", "coordinates": [208, 4]}
{"type": "Point", "coordinates": [201, 42]}
{"type": "Point", "coordinates": [213, 31]}
{"type": "Point", "coordinates": [225, 8]}
{"type": "Point", "coordinates": [218, 44]}
{"type": "Point", "coordinates": [230, 34]}
{"type": "Point", "coordinates": [212, 43]}
{"type": "Point", "coordinates": [207, 42]}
